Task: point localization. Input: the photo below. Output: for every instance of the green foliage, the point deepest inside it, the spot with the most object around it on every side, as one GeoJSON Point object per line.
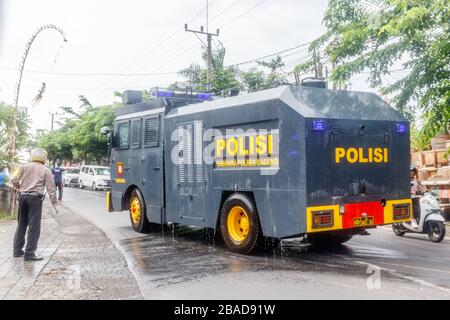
{"type": "Point", "coordinates": [223, 78]}
{"type": "Point", "coordinates": [256, 80]}
{"type": "Point", "coordinates": [418, 141]}
{"type": "Point", "coordinates": [6, 217]}
{"type": "Point", "coordinates": [253, 80]}
{"type": "Point", "coordinates": [375, 35]}
{"type": "Point", "coordinates": [85, 136]}
{"type": "Point", "coordinates": [6, 124]}
{"type": "Point", "coordinates": [80, 138]}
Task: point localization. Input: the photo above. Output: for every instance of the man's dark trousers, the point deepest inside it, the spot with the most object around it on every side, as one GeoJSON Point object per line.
{"type": "Point", "coordinates": [59, 186]}
{"type": "Point", "coordinates": [30, 214]}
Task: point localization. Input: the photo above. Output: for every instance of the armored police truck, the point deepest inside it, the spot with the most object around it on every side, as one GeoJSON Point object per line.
{"type": "Point", "coordinates": [283, 163]}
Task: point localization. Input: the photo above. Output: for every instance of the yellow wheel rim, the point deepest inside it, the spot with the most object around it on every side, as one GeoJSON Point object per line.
{"type": "Point", "coordinates": [238, 223]}
{"type": "Point", "coordinates": [135, 209]}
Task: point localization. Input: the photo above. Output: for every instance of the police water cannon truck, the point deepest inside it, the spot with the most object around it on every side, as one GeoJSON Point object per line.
{"type": "Point", "coordinates": [290, 162]}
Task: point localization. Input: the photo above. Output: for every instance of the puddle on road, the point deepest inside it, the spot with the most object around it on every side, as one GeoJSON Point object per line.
{"type": "Point", "coordinates": [188, 254]}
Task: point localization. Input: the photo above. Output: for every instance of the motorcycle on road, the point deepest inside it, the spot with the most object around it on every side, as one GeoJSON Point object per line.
{"type": "Point", "coordinates": [430, 222]}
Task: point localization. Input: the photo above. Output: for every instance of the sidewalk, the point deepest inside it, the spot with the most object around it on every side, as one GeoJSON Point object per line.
{"type": "Point", "coordinates": [79, 263]}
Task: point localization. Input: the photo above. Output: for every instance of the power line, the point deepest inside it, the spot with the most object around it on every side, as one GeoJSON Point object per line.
{"type": "Point", "coordinates": [164, 40]}
{"type": "Point", "coordinates": [69, 74]}
{"type": "Point", "coordinates": [241, 15]}
{"type": "Point", "coordinates": [93, 74]}
{"type": "Point", "coordinates": [269, 55]}
{"type": "Point", "coordinates": [228, 23]}
{"type": "Point", "coordinates": [224, 10]}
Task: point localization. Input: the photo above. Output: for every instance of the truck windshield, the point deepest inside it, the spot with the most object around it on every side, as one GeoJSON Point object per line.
{"type": "Point", "coordinates": [73, 171]}
{"type": "Point", "coordinates": [101, 171]}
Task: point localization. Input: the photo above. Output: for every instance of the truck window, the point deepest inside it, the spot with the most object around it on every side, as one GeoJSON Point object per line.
{"type": "Point", "coordinates": [151, 132]}
{"type": "Point", "coordinates": [190, 148]}
{"type": "Point", "coordinates": [136, 133]}
{"type": "Point", "coordinates": [122, 135]}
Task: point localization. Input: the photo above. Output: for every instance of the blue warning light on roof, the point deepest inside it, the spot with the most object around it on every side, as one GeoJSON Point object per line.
{"type": "Point", "coordinates": [318, 125]}
{"type": "Point", "coordinates": [163, 93]}
{"type": "Point", "coordinates": [204, 96]}
{"type": "Point", "coordinates": [402, 127]}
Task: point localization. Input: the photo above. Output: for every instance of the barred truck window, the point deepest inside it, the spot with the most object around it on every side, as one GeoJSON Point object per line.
{"type": "Point", "coordinates": [122, 135]}
{"type": "Point", "coordinates": [151, 132]}
{"type": "Point", "coordinates": [136, 133]}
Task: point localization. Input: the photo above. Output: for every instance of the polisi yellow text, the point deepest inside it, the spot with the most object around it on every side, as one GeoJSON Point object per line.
{"type": "Point", "coordinates": [243, 146]}
{"type": "Point", "coordinates": [362, 155]}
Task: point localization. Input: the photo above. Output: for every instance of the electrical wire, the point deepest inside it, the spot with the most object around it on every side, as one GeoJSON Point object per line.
{"type": "Point", "coordinates": [164, 40]}
{"type": "Point", "coordinates": [243, 14]}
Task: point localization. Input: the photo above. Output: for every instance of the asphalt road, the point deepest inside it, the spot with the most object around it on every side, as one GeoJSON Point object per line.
{"type": "Point", "coordinates": [185, 264]}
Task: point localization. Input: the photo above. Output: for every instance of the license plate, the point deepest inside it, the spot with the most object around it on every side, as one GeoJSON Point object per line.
{"type": "Point", "coordinates": [361, 222]}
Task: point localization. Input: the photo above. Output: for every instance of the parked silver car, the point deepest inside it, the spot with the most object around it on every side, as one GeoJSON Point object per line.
{"type": "Point", "coordinates": [71, 176]}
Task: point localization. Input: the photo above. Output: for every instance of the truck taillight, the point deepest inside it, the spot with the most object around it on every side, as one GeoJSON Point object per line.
{"type": "Point", "coordinates": [322, 219]}
{"type": "Point", "coordinates": [401, 211]}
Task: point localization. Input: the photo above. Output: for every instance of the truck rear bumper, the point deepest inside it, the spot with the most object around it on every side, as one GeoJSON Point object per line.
{"type": "Point", "coordinates": [355, 215]}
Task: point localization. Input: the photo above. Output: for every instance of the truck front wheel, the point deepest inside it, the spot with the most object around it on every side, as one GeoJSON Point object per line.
{"type": "Point", "coordinates": [138, 216]}
{"type": "Point", "coordinates": [239, 224]}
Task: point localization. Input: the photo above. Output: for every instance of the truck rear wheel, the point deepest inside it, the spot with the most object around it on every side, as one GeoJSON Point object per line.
{"type": "Point", "coordinates": [138, 216]}
{"type": "Point", "coordinates": [239, 224]}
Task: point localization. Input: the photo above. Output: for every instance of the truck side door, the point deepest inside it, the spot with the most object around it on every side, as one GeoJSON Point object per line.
{"type": "Point", "coordinates": [152, 170]}
{"type": "Point", "coordinates": [191, 188]}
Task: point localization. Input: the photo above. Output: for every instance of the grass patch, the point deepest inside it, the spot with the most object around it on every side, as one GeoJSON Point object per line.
{"type": "Point", "coordinates": [4, 216]}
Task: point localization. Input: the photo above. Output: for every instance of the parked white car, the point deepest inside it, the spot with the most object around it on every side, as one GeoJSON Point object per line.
{"type": "Point", "coordinates": [95, 177]}
{"type": "Point", "coordinates": [70, 176]}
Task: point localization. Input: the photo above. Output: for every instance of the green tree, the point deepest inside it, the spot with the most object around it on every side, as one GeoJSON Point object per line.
{"type": "Point", "coordinates": [256, 79]}
{"type": "Point", "coordinates": [79, 138]}
{"type": "Point", "coordinates": [253, 80]}
{"type": "Point", "coordinates": [6, 123]}
{"type": "Point", "coordinates": [380, 34]}
{"type": "Point", "coordinates": [58, 146]}
{"type": "Point", "coordinates": [88, 144]}
{"type": "Point", "coordinates": [223, 78]}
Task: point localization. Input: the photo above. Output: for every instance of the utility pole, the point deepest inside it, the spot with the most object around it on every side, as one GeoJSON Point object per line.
{"type": "Point", "coordinates": [53, 119]}
{"type": "Point", "coordinates": [208, 46]}
{"type": "Point", "coordinates": [53, 114]}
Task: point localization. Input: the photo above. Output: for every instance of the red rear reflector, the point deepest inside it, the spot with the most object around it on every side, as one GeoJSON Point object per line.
{"type": "Point", "coordinates": [322, 219]}
{"type": "Point", "coordinates": [401, 211]}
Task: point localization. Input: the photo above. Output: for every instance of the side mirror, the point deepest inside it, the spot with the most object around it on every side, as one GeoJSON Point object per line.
{"type": "Point", "coordinates": [110, 140]}
{"type": "Point", "coordinates": [105, 131]}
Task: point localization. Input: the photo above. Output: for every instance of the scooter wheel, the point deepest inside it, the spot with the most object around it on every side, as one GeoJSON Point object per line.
{"type": "Point", "coordinates": [397, 230]}
{"type": "Point", "coordinates": [436, 231]}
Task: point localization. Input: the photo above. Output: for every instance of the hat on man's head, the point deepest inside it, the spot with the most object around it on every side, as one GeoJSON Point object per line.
{"type": "Point", "coordinates": [39, 155]}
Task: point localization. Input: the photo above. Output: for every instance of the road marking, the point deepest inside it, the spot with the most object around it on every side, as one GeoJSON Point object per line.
{"type": "Point", "coordinates": [413, 267]}
{"type": "Point", "coordinates": [413, 279]}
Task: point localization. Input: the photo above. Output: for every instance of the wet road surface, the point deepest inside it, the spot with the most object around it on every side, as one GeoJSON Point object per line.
{"type": "Point", "coordinates": [184, 263]}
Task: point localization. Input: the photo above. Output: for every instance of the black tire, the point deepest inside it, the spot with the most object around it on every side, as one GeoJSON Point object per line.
{"type": "Point", "coordinates": [251, 236]}
{"type": "Point", "coordinates": [80, 184]}
{"type": "Point", "coordinates": [141, 225]}
{"type": "Point", "coordinates": [329, 238]}
{"type": "Point", "coordinates": [436, 231]}
{"type": "Point", "coordinates": [397, 230]}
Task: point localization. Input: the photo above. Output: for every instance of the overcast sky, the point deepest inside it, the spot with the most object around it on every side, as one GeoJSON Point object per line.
{"type": "Point", "coordinates": [137, 36]}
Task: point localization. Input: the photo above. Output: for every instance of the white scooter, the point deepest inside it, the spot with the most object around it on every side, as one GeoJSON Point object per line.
{"type": "Point", "coordinates": [431, 220]}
